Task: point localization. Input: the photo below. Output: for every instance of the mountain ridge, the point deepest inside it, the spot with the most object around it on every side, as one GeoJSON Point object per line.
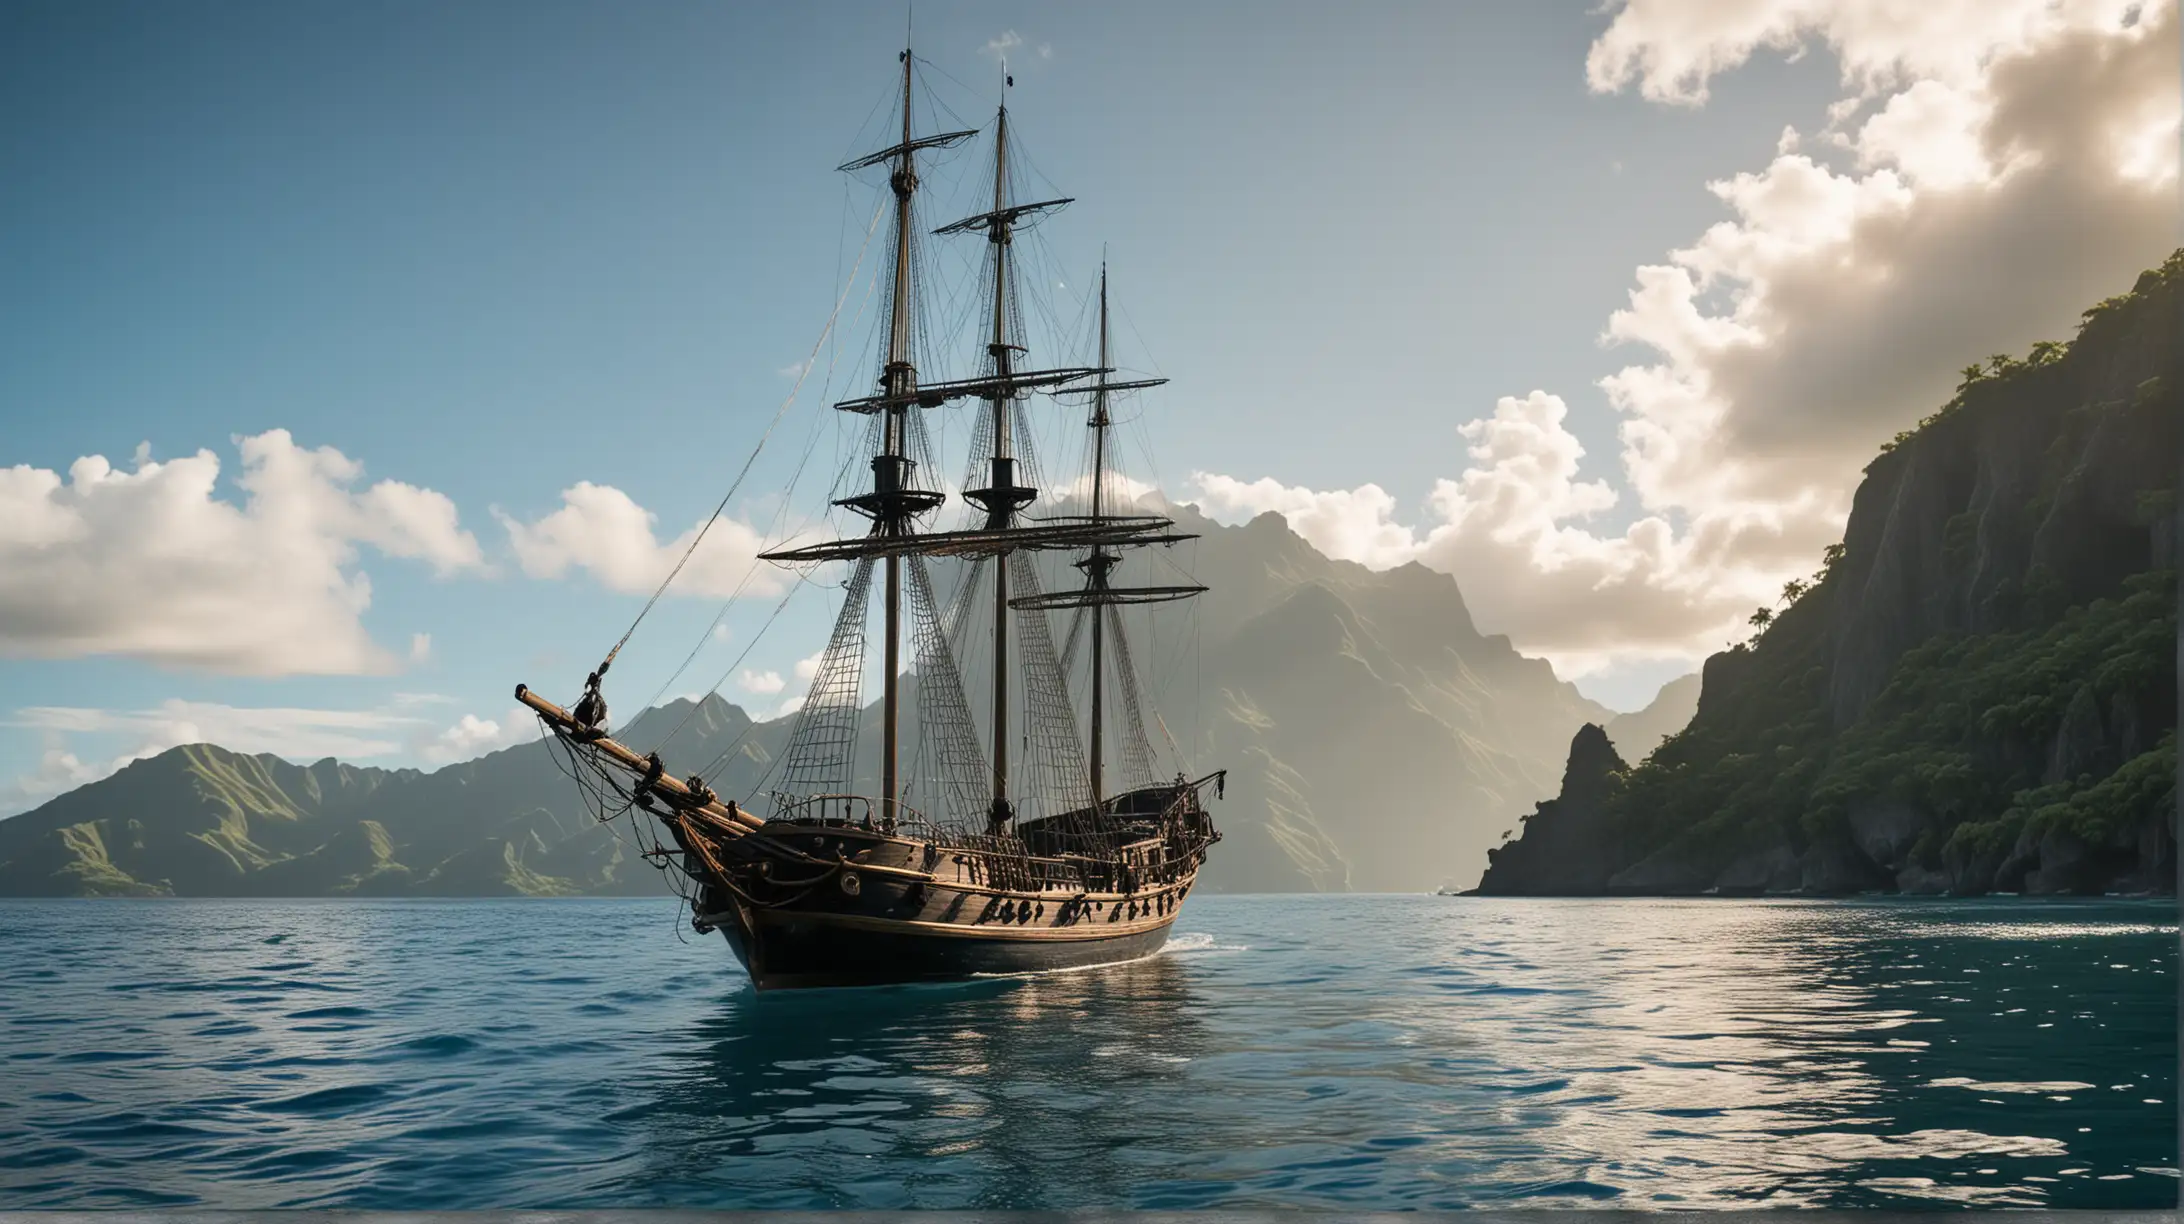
{"type": "Point", "coordinates": [1374, 738]}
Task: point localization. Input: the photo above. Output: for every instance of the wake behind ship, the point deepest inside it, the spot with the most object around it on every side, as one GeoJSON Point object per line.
{"type": "Point", "coordinates": [970, 858]}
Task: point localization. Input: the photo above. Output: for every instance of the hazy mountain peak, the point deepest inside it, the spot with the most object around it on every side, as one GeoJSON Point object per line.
{"type": "Point", "coordinates": [685, 718]}
{"type": "Point", "coordinates": [1638, 733]}
{"type": "Point", "coordinates": [1375, 740]}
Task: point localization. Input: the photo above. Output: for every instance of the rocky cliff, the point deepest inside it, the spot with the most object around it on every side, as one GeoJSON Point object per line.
{"type": "Point", "coordinates": [1976, 693]}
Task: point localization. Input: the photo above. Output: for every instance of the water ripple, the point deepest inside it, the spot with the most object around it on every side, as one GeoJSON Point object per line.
{"type": "Point", "coordinates": [1336, 1053]}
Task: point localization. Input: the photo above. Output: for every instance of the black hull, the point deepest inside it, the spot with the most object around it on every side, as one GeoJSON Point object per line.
{"type": "Point", "coordinates": [783, 951]}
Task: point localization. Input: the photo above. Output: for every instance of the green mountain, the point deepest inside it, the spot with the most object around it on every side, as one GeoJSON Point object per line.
{"type": "Point", "coordinates": [1375, 740]}
{"type": "Point", "coordinates": [1977, 691]}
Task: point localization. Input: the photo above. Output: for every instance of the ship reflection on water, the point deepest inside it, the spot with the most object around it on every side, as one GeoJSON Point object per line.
{"type": "Point", "coordinates": [969, 1093]}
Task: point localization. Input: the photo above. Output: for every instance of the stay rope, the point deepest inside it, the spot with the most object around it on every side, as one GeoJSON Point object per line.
{"type": "Point", "coordinates": [803, 373]}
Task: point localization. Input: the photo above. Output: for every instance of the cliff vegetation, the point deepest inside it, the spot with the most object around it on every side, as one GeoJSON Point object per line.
{"type": "Point", "coordinates": [1975, 693]}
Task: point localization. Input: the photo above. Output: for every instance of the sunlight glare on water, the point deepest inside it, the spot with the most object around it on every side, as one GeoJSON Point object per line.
{"type": "Point", "coordinates": [1330, 1052]}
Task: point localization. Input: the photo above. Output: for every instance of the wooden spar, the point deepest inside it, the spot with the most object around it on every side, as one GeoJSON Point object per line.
{"type": "Point", "coordinates": [1001, 511]}
{"type": "Point", "coordinates": [899, 378]}
{"type": "Point", "coordinates": [621, 754]}
{"type": "Point", "coordinates": [1096, 565]}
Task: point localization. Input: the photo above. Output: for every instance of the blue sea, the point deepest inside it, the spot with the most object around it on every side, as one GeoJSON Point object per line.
{"type": "Point", "coordinates": [1328, 1052]}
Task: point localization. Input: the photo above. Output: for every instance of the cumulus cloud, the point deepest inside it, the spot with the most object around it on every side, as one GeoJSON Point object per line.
{"type": "Point", "coordinates": [761, 684]}
{"type": "Point", "coordinates": [154, 563]}
{"type": "Point", "coordinates": [1118, 491]}
{"type": "Point", "coordinates": [803, 672]}
{"type": "Point", "coordinates": [1982, 208]}
{"type": "Point", "coordinates": [600, 530]}
{"type": "Point", "coordinates": [472, 736]}
{"type": "Point", "coordinates": [58, 770]}
{"type": "Point", "coordinates": [1672, 49]}
{"type": "Point", "coordinates": [1346, 524]}
{"type": "Point", "coordinates": [298, 733]}
{"type": "Point", "coordinates": [1512, 529]}
{"type": "Point", "coordinates": [1993, 167]}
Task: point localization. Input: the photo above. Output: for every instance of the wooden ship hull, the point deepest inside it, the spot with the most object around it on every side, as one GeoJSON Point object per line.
{"type": "Point", "coordinates": [825, 898]}
{"type": "Point", "coordinates": [910, 927]}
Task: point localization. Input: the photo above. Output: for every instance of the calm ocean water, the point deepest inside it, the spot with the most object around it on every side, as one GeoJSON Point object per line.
{"type": "Point", "coordinates": [1368, 1052]}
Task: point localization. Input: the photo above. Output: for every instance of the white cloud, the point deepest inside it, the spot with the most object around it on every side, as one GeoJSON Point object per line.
{"type": "Point", "coordinates": [1672, 49]}
{"type": "Point", "coordinates": [599, 529]}
{"type": "Point", "coordinates": [802, 674]}
{"type": "Point", "coordinates": [1987, 205]}
{"type": "Point", "coordinates": [1509, 529]}
{"type": "Point", "coordinates": [1347, 524]}
{"type": "Point", "coordinates": [1000, 45]}
{"type": "Point", "coordinates": [1118, 491]}
{"type": "Point", "coordinates": [761, 684]}
{"type": "Point", "coordinates": [154, 564]}
{"type": "Point", "coordinates": [472, 736]}
{"type": "Point", "coordinates": [58, 770]}
{"type": "Point", "coordinates": [302, 734]}
{"type": "Point", "coordinates": [2003, 164]}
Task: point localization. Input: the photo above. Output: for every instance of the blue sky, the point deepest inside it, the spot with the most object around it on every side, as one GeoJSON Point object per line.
{"type": "Point", "coordinates": [494, 250]}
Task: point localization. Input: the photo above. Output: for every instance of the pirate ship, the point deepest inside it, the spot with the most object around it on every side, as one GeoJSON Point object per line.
{"type": "Point", "coordinates": [970, 858]}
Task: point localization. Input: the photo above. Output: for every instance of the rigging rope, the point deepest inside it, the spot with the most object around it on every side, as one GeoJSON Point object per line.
{"type": "Point", "coordinates": [811, 445]}
{"type": "Point", "coordinates": [1056, 756]}
{"type": "Point", "coordinates": [810, 360]}
{"type": "Point", "coordinates": [944, 712]}
{"type": "Point", "coordinates": [822, 752]}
